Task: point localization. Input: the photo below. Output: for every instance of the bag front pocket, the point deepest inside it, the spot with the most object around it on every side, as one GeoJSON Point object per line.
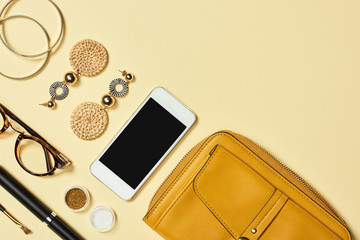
{"type": "Point", "coordinates": [231, 190]}
{"type": "Point", "coordinates": [248, 206]}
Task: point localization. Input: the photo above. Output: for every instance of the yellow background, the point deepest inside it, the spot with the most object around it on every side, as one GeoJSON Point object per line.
{"type": "Point", "coordinates": [283, 73]}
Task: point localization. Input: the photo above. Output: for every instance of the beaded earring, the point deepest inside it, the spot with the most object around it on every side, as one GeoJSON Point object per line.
{"type": "Point", "coordinates": [87, 58]}
{"type": "Point", "coordinates": [89, 120]}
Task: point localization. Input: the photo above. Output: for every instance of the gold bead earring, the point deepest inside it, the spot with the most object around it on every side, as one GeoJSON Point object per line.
{"type": "Point", "coordinates": [89, 120]}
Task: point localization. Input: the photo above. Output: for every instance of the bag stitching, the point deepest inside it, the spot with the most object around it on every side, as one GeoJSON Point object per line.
{"type": "Point", "coordinates": [167, 211]}
{"type": "Point", "coordinates": [269, 211]}
{"type": "Point", "coordinates": [197, 190]}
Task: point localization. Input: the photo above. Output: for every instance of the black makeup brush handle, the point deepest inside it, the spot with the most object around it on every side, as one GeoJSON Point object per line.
{"type": "Point", "coordinates": [39, 209]}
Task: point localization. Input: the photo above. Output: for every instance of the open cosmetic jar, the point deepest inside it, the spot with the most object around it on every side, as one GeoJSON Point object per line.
{"type": "Point", "coordinates": [102, 218]}
{"type": "Point", "coordinates": [77, 198]}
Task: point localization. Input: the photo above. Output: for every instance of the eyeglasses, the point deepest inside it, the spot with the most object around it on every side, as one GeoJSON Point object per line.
{"type": "Point", "coordinates": [39, 165]}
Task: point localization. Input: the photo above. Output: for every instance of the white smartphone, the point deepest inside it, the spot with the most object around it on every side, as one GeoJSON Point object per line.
{"type": "Point", "coordinates": [143, 143]}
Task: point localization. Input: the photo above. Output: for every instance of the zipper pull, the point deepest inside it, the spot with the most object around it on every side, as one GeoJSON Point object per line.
{"type": "Point", "coordinates": [213, 150]}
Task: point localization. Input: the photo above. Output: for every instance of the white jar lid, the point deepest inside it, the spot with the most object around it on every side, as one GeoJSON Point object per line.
{"type": "Point", "coordinates": [102, 218]}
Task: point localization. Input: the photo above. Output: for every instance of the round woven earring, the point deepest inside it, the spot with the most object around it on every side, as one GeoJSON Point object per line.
{"type": "Point", "coordinates": [87, 58]}
{"type": "Point", "coordinates": [89, 120]}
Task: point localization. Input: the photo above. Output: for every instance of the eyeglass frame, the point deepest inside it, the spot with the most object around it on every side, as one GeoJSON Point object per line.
{"type": "Point", "coordinates": [60, 160]}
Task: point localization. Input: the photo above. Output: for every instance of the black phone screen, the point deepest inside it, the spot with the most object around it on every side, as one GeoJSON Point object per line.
{"type": "Point", "coordinates": [142, 143]}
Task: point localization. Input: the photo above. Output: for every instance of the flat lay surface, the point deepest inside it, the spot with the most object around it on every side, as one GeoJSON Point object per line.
{"type": "Point", "coordinates": [283, 73]}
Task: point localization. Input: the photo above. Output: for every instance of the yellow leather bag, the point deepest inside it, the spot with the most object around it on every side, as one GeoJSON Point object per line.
{"type": "Point", "coordinates": [227, 187]}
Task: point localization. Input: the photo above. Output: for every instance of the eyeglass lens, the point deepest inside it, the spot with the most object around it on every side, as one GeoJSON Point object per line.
{"type": "Point", "coordinates": [2, 121]}
{"type": "Point", "coordinates": [33, 157]}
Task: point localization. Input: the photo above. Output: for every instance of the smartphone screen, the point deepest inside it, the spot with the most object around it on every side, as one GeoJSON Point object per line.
{"type": "Point", "coordinates": [142, 143]}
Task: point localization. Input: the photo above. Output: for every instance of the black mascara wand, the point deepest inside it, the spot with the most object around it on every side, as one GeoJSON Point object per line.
{"type": "Point", "coordinates": [19, 224]}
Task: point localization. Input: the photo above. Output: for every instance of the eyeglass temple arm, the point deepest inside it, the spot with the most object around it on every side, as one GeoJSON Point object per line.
{"type": "Point", "coordinates": [47, 157]}
{"type": "Point", "coordinates": [61, 157]}
{"type": "Point", "coordinates": [16, 119]}
{"type": "Point", "coordinates": [21, 123]}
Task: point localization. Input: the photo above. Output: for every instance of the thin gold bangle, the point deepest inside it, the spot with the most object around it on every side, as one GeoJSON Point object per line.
{"type": "Point", "coordinates": [50, 47]}
{"type": "Point", "coordinates": [48, 41]}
